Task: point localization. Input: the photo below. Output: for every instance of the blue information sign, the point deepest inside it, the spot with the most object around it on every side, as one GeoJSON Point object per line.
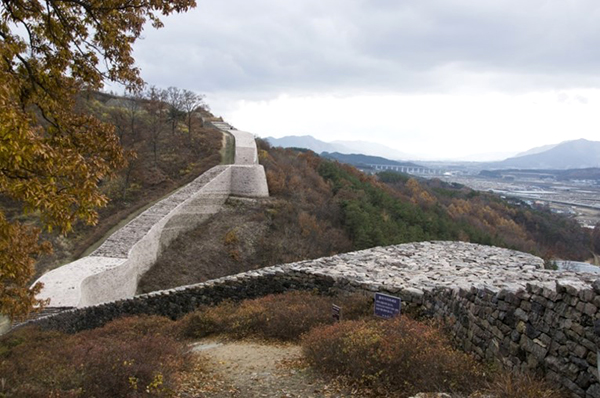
{"type": "Point", "coordinates": [386, 306]}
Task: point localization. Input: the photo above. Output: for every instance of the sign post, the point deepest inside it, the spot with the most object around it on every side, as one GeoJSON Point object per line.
{"type": "Point", "coordinates": [387, 306]}
{"type": "Point", "coordinates": [336, 312]}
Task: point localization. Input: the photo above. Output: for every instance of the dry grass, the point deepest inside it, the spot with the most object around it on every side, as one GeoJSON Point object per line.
{"type": "Point", "coordinates": [279, 317]}
{"type": "Point", "coordinates": [145, 355]}
{"type": "Point", "coordinates": [519, 385]}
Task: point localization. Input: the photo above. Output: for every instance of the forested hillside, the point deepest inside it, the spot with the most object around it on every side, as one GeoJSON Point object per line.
{"type": "Point", "coordinates": [392, 208]}
{"type": "Point", "coordinates": [167, 146]}
{"type": "Point", "coordinates": [320, 207]}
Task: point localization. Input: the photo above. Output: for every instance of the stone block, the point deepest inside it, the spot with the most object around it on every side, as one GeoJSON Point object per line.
{"type": "Point", "coordinates": [593, 391]}
{"type": "Point", "coordinates": [551, 294]}
{"type": "Point", "coordinates": [525, 305]}
{"type": "Point", "coordinates": [596, 286]}
{"type": "Point", "coordinates": [569, 384]}
{"type": "Point", "coordinates": [590, 309]}
{"type": "Point", "coordinates": [521, 314]}
{"type": "Point", "coordinates": [556, 364]}
{"type": "Point", "coordinates": [531, 331]}
{"type": "Point", "coordinates": [580, 351]}
{"type": "Point", "coordinates": [531, 346]}
{"type": "Point", "coordinates": [586, 295]}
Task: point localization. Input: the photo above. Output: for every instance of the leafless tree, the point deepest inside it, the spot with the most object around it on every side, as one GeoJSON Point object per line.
{"type": "Point", "coordinates": [190, 103]}
{"type": "Point", "coordinates": [157, 116]}
{"type": "Point", "coordinates": [133, 109]}
{"type": "Point", "coordinates": [174, 97]}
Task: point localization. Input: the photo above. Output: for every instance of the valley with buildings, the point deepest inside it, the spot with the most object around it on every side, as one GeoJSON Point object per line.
{"type": "Point", "coordinates": [544, 178]}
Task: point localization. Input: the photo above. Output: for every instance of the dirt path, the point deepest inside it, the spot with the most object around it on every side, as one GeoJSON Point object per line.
{"type": "Point", "coordinates": [242, 369]}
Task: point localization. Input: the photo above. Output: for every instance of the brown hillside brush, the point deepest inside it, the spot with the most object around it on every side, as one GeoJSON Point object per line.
{"type": "Point", "coordinates": [400, 356]}
{"type": "Point", "coordinates": [519, 385]}
{"type": "Point", "coordinates": [126, 358]}
{"type": "Point", "coordinates": [281, 317]}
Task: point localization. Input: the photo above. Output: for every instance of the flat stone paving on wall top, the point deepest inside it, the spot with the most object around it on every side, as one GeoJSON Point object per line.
{"type": "Point", "coordinates": [429, 265]}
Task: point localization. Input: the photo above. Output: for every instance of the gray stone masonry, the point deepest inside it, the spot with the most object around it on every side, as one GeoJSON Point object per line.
{"type": "Point", "coordinates": [113, 270]}
{"type": "Point", "coordinates": [498, 304]}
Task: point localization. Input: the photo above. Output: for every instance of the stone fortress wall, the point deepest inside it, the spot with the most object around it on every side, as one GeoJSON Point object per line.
{"type": "Point", "coordinates": [113, 270]}
{"type": "Point", "coordinates": [499, 304]}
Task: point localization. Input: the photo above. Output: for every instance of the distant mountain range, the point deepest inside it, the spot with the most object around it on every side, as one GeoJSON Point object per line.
{"type": "Point", "coordinates": [535, 150]}
{"type": "Point", "coordinates": [347, 147]}
{"type": "Point", "coordinates": [577, 154]}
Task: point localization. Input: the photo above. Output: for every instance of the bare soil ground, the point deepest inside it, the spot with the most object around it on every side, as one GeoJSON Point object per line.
{"type": "Point", "coordinates": [248, 369]}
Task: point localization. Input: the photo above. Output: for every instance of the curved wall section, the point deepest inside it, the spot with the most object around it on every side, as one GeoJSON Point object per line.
{"type": "Point", "coordinates": [498, 304]}
{"type": "Point", "coordinates": [113, 270]}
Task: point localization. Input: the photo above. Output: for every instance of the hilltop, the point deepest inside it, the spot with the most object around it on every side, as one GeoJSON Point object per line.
{"type": "Point", "coordinates": [344, 147]}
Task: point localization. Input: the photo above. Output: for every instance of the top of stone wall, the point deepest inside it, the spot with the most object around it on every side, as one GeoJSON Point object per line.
{"type": "Point", "coordinates": [425, 266]}
{"type": "Point", "coordinates": [245, 148]}
{"type": "Point", "coordinates": [120, 243]}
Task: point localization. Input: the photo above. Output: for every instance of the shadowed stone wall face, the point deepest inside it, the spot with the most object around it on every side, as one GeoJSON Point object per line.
{"type": "Point", "coordinates": [113, 270]}
{"type": "Point", "coordinates": [498, 304]}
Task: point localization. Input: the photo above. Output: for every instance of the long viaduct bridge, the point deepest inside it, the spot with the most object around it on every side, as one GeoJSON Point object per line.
{"type": "Point", "coordinates": [416, 170]}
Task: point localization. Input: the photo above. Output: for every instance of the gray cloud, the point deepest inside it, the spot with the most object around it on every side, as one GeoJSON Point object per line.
{"type": "Point", "coordinates": [267, 47]}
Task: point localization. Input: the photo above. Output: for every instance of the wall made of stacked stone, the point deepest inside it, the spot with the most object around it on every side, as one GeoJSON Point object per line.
{"type": "Point", "coordinates": [174, 303]}
{"type": "Point", "coordinates": [547, 330]}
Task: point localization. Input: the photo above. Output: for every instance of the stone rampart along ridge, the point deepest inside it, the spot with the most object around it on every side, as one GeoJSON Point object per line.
{"type": "Point", "coordinates": [248, 177]}
{"type": "Point", "coordinates": [113, 270]}
{"type": "Point", "coordinates": [499, 304]}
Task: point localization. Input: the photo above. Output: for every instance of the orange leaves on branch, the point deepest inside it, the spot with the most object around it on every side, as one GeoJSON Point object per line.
{"type": "Point", "coordinates": [17, 244]}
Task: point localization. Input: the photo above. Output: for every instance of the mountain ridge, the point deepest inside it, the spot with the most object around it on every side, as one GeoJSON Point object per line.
{"type": "Point", "coordinates": [574, 154]}
{"type": "Point", "coordinates": [340, 146]}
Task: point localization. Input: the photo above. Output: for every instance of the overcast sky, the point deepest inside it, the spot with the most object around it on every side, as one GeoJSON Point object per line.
{"type": "Point", "coordinates": [434, 78]}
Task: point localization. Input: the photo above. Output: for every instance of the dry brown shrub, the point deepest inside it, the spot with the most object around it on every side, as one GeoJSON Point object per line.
{"type": "Point", "coordinates": [276, 182]}
{"type": "Point", "coordinates": [130, 357]}
{"type": "Point", "coordinates": [519, 385]}
{"type": "Point", "coordinates": [281, 317]}
{"type": "Point", "coordinates": [399, 355]}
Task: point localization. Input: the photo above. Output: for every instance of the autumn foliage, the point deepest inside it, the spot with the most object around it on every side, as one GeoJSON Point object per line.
{"type": "Point", "coordinates": [332, 203]}
{"type": "Point", "coordinates": [402, 357]}
{"type": "Point", "coordinates": [401, 354]}
{"type": "Point", "coordinates": [53, 157]}
{"type": "Point", "coordinates": [283, 317]}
